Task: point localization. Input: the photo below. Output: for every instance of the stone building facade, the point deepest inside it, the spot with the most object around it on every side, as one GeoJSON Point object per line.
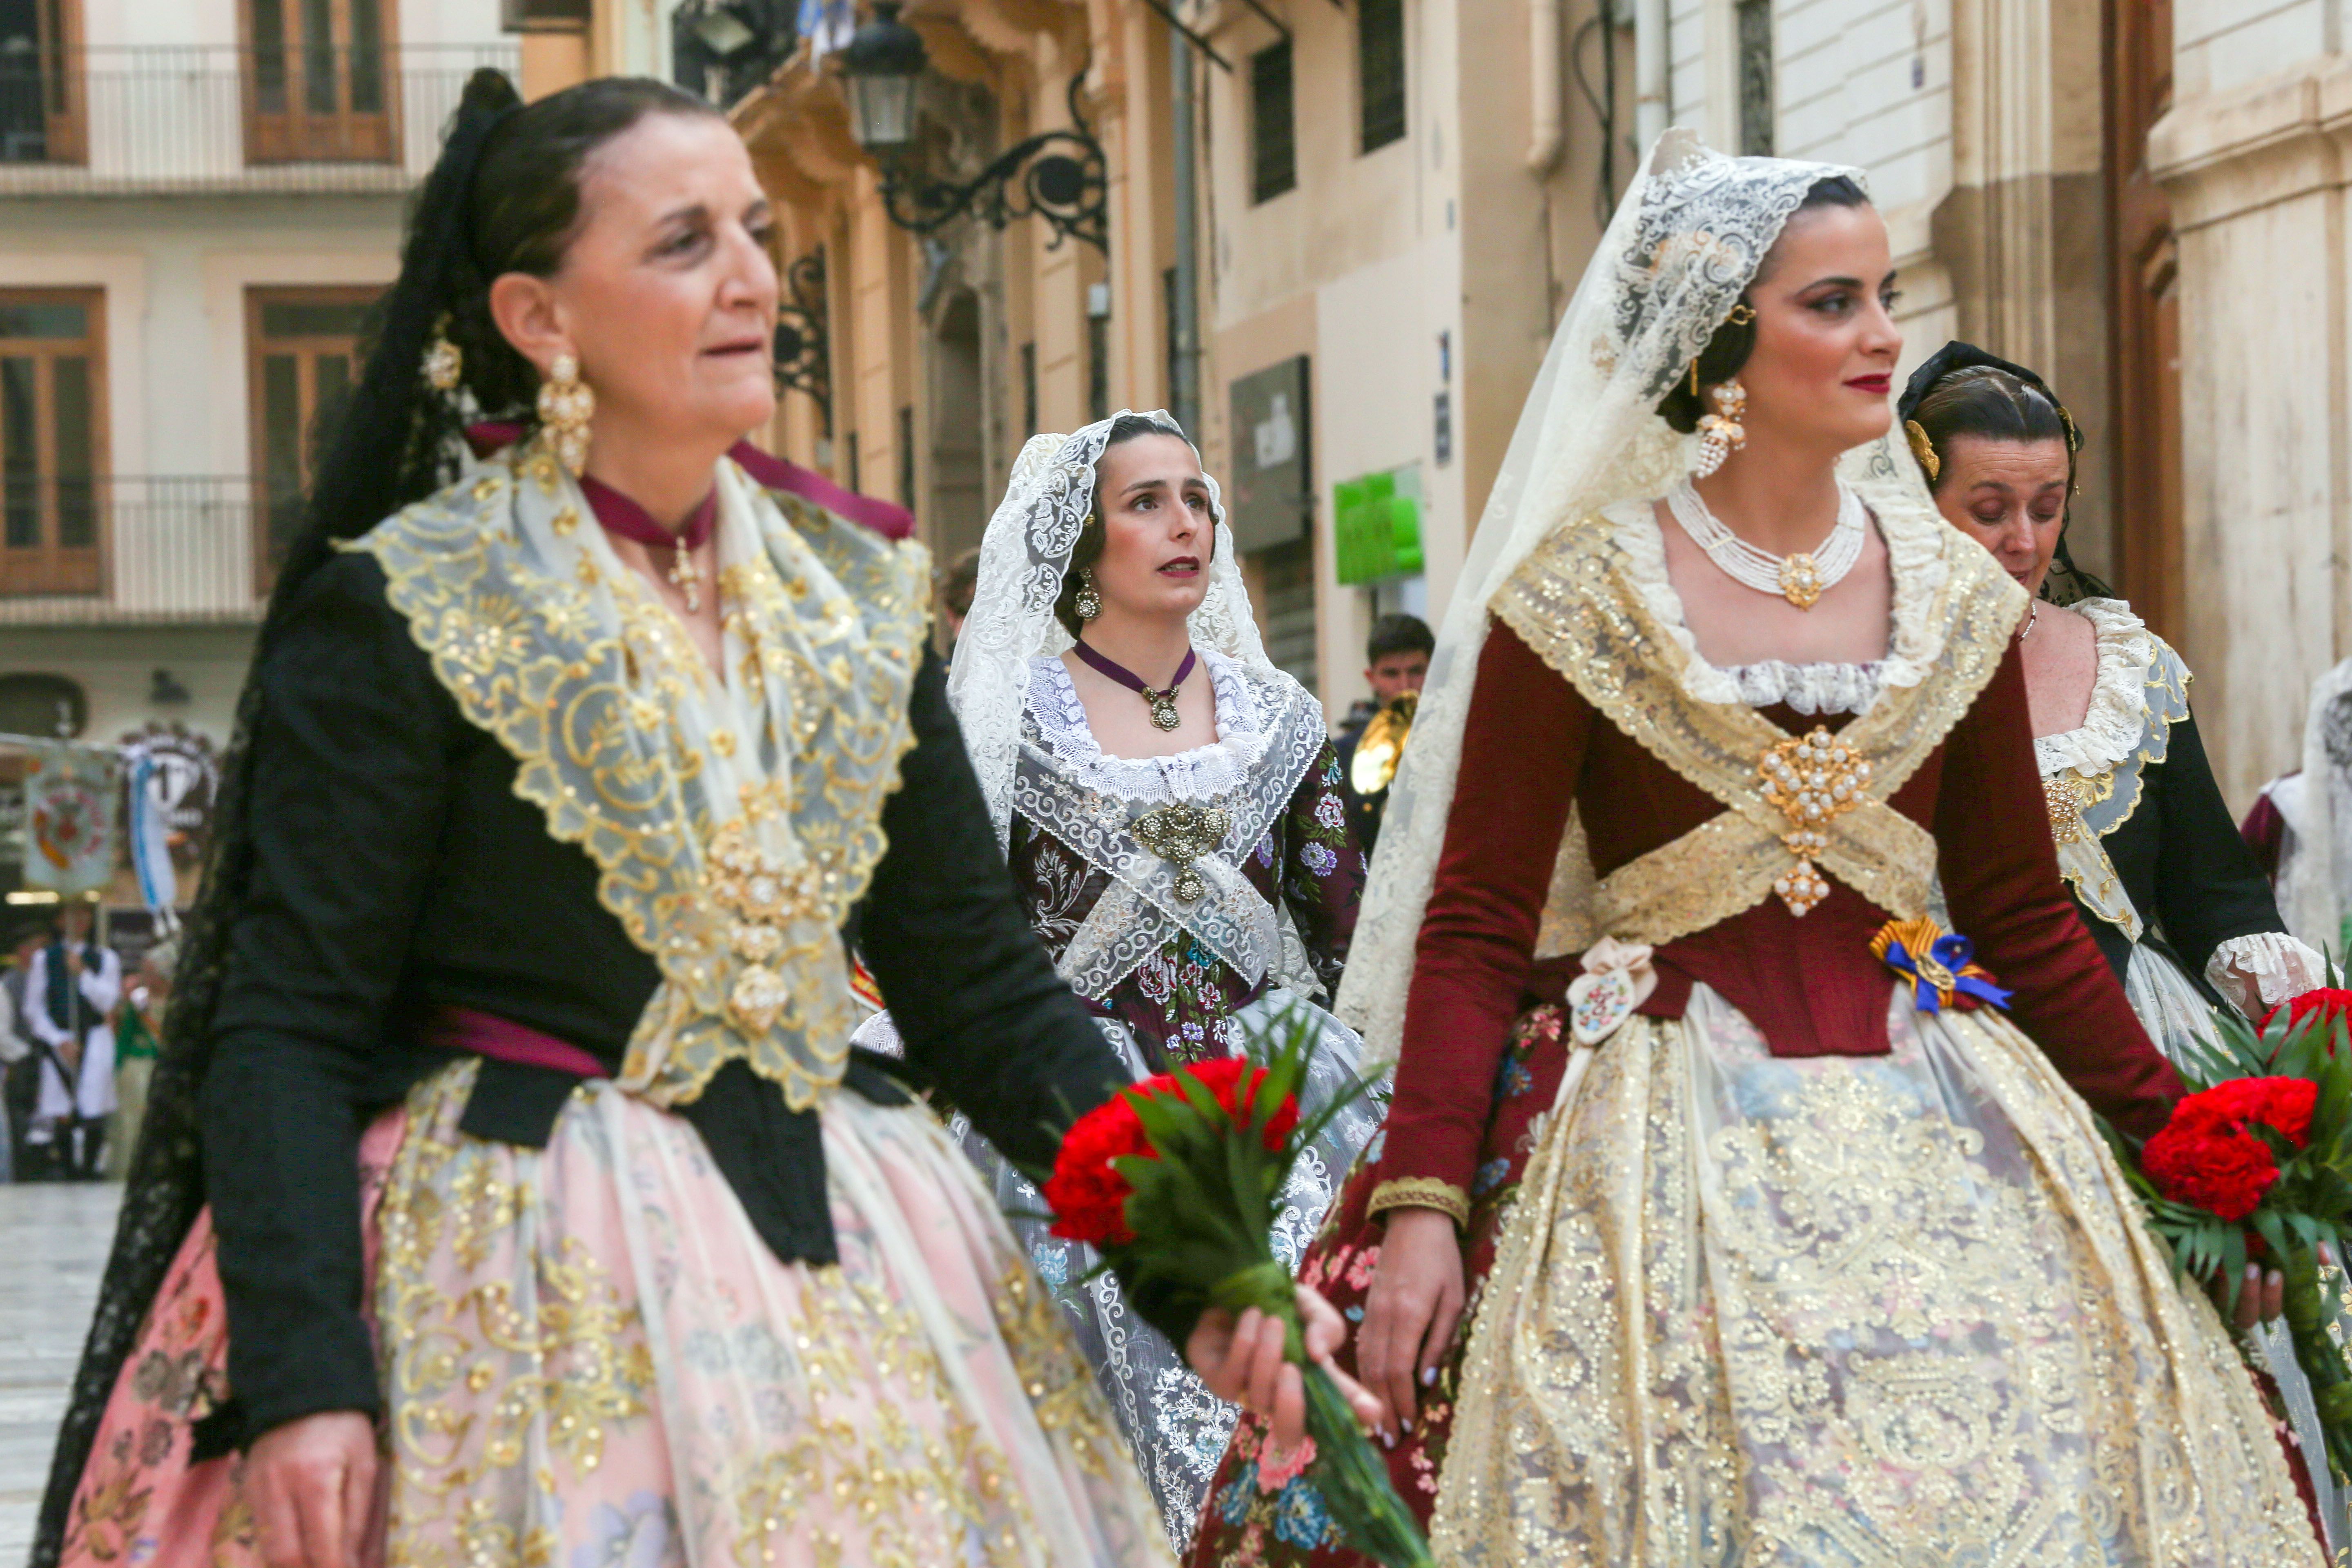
{"type": "Point", "coordinates": [2141, 198]}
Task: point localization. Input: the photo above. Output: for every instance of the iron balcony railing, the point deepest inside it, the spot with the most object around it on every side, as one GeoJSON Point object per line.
{"type": "Point", "coordinates": [139, 121]}
{"type": "Point", "coordinates": [154, 549]}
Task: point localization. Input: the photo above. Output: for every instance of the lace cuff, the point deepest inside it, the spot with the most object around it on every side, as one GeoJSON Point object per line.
{"type": "Point", "coordinates": [2255, 973]}
{"type": "Point", "coordinates": [1421, 1193]}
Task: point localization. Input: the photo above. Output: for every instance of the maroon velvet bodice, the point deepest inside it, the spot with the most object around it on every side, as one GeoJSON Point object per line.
{"type": "Point", "coordinates": [1809, 983]}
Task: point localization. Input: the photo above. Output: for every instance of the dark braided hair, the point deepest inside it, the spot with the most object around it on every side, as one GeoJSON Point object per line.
{"type": "Point", "coordinates": [503, 197]}
{"type": "Point", "coordinates": [1961, 390]}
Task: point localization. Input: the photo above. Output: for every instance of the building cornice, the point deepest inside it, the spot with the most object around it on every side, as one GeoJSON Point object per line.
{"type": "Point", "coordinates": [2219, 156]}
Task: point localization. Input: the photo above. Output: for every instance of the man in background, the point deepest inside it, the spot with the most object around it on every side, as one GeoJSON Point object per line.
{"type": "Point", "coordinates": [70, 992]}
{"type": "Point", "coordinates": [1372, 739]}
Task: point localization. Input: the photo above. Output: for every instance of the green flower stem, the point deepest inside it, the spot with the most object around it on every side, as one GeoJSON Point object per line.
{"type": "Point", "coordinates": [1350, 1475]}
{"type": "Point", "coordinates": [2308, 1310]}
{"type": "Point", "coordinates": [1268, 1287]}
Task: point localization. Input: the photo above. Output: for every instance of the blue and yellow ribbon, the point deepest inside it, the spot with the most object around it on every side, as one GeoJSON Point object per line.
{"type": "Point", "coordinates": [1936, 963]}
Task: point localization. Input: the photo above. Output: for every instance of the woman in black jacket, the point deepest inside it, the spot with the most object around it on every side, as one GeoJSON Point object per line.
{"type": "Point", "coordinates": [507, 1114]}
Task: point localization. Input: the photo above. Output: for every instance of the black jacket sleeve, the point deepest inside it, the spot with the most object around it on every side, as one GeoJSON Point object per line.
{"type": "Point", "coordinates": [349, 773]}
{"type": "Point", "coordinates": [970, 989]}
{"type": "Point", "coordinates": [2209, 886]}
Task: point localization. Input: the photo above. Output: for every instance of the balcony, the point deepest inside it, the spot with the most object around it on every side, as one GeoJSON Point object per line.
{"type": "Point", "coordinates": [202, 120]}
{"type": "Point", "coordinates": [127, 551]}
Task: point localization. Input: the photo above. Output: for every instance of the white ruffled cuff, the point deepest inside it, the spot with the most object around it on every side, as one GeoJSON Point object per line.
{"type": "Point", "coordinates": [2255, 973]}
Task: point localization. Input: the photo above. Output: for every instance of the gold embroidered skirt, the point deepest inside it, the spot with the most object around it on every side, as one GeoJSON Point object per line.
{"type": "Point", "coordinates": [1845, 1310]}
{"type": "Point", "coordinates": [590, 1356]}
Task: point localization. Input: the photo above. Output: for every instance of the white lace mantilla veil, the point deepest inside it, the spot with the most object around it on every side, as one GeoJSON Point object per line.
{"type": "Point", "coordinates": [1022, 557]}
{"type": "Point", "coordinates": [2315, 884]}
{"type": "Point", "coordinates": [1686, 241]}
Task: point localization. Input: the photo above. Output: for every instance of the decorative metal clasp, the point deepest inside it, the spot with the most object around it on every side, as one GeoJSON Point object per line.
{"type": "Point", "coordinates": [1811, 780]}
{"type": "Point", "coordinates": [1181, 833]}
{"type": "Point", "coordinates": [765, 895]}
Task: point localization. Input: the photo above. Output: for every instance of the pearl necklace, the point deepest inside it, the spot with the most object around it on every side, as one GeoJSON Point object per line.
{"type": "Point", "coordinates": [1802, 578]}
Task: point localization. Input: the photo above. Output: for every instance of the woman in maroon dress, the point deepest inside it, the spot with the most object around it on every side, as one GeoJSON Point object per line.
{"type": "Point", "coordinates": [1727, 1212]}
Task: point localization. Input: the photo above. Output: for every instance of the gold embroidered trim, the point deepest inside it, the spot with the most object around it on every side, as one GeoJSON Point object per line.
{"type": "Point", "coordinates": [1420, 1192]}
{"type": "Point", "coordinates": [1573, 603]}
{"type": "Point", "coordinates": [591, 686]}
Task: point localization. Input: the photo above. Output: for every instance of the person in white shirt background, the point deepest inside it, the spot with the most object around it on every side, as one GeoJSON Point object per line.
{"type": "Point", "coordinates": [70, 994]}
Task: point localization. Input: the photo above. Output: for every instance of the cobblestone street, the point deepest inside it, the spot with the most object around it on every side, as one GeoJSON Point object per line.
{"type": "Point", "coordinates": [54, 1239]}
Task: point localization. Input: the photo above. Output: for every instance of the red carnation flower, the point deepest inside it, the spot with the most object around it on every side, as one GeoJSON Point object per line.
{"type": "Point", "coordinates": [2283, 1104]}
{"type": "Point", "coordinates": [2226, 1172]}
{"type": "Point", "coordinates": [2329, 1004]}
{"type": "Point", "coordinates": [1086, 1193]}
{"type": "Point", "coordinates": [1233, 1081]}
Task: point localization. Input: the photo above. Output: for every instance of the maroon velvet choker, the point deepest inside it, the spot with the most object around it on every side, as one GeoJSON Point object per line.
{"type": "Point", "coordinates": [1162, 703]}
{"type": "Point", "coordinates": [616, 513]}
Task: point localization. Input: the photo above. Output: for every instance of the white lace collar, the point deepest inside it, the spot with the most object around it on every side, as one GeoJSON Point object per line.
{"type": "Point", "coordinates": [1810, 688]}
{"type": "Point", "coordinates": [1221, 767]}
{"type": "Point", "coordinates": [1915, 552]}
{"type": "Point", "coordinates": [2117, 717]}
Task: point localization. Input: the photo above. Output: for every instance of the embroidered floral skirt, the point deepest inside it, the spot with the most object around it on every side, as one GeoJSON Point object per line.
{"type": "Point", "coordinates": [590, 1359]}
{"type": "Point", "coordinates": [1835, 1310]}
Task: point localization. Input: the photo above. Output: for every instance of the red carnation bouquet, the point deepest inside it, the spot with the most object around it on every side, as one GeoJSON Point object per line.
{"type": "Point", "coordinates": [2256, 1165]}
{"type": "Point", "coordinates": [1175, 1180]}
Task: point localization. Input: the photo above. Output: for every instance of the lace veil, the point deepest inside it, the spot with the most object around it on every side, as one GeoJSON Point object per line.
{"type": "Point", "coordinates": [1021, 558]}
{"type": "Point", "coordinates": [2316, 881]}
{"type": "Point", "coordinates": [1686, 241]}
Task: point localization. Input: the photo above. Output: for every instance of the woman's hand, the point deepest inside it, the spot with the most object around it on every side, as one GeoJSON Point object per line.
{"type": "Point", "coordinates": [312, 1484]}
{"type": "Point", "coordinates": [1411, 1312]}
{"type": "Point", "coordinates": [1242, 1361]}
{"type": "Point", "coordinates": [2261, 1296]}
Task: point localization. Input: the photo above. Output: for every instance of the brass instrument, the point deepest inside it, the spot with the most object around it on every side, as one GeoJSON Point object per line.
{"type": "Point", "coordinates": [1381, 745]}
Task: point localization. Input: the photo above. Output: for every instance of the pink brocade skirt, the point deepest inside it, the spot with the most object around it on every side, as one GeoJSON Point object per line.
{"type": "Point", "coordinates": [588, 1357]}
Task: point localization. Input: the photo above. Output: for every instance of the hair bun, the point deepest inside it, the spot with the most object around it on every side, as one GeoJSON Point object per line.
{"type": "Point", "coordinates": [489, 94]}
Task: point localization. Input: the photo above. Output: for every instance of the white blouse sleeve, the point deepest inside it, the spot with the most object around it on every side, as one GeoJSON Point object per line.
{"type": "Point", "coordinates": [2255, 973]}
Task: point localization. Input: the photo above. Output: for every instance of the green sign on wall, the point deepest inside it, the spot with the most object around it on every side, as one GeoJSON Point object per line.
{"type": "Point", "coordinates": [1376, 525]}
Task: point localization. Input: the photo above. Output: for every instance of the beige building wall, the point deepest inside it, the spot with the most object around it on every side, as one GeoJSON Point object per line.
{"type": "Point", "coordinates": [166, 221]}
{"type": "Point", "coordinates": [2252, 156]}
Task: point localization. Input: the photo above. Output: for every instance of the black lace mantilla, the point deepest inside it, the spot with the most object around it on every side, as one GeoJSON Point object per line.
{"type": "Point", "coordinates": [166, 1187]}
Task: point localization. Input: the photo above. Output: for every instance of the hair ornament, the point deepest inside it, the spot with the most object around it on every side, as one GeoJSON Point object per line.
{"type": "Point", "coordinates": [1924, 449]}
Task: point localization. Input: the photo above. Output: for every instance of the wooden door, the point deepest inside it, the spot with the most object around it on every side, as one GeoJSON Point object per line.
{"type": "Point", "coordinates": [319, 85]}
{"type": "Point", "coordinates": [52, 441]}
{"type": "Point", "coordinates": [302, 363]}
{"type": "Point", "coordinates": [2144, 316]}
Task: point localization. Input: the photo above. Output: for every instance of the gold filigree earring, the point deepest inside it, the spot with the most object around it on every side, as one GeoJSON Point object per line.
{"type": "Point", "coordinates": [1090, 600]}
{"type": "Point", "coordinates": [565, 407]}
{"type": "Point", "coordinates": [445, 364]}
{"type": "Point", "coordinates": [1721, 434]}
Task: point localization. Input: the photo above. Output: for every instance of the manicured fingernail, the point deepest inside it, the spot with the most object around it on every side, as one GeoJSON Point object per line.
{"type": "Point", "coordinates": [1429, 1377]}
{"type": "Point", "coordinates": [1386, 1441]}
{"type": "Point", "coordinates": [1407, 1426]}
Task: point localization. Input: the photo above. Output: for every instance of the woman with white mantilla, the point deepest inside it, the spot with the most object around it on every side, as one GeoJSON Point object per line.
{"type": "Point", "coordinates": [1170, 805]}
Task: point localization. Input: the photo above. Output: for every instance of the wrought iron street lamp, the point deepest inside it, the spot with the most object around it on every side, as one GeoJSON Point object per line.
{"type": "Point", "coordinates": [803, 359]}
{"type": "Point", "coordinates": [1058, 175]}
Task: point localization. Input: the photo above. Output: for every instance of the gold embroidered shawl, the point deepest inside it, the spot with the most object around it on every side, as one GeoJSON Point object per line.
{"type": "Point", "coordinates": [1576, 603]}
{"type": "Point", "coordinates": [734, 817]}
